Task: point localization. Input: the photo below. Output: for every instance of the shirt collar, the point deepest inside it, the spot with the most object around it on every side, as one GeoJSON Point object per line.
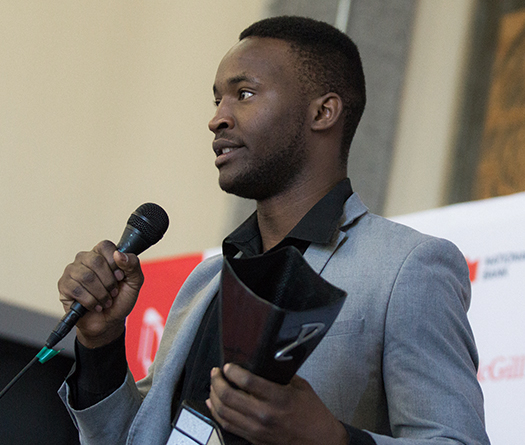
{"type": "Point", "coordinates": [317, 226]}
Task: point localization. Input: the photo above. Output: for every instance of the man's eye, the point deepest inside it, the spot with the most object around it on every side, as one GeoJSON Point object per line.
{"type": "Point", "coordinates": [245, 95]}
{"type": "Point", "coordinates": [216, 102]}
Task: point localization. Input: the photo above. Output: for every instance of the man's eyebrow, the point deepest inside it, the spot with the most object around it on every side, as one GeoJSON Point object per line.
{"type": "Point", "coordinates": [238, 79]}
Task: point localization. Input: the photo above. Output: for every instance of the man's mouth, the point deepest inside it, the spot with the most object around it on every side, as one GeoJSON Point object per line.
{"type": "Point", "coordinates": [223, 146]}
{"type": "Point", "coordinates": [225, 150]}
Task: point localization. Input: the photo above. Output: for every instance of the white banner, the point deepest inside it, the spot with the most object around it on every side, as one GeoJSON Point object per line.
{"type": "Point", "coordinates": [491, 235]}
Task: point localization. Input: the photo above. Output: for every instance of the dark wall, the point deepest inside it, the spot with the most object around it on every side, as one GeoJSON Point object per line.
{"type": "Point", "coordinates": [31, 412]}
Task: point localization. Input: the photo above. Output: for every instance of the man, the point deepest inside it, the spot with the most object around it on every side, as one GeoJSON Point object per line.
{"type": "Point", "coordinates": [398, 365]}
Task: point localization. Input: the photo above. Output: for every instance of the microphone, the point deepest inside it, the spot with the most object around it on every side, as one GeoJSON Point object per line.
{"type": "Point", "coordinates": [145, 227]}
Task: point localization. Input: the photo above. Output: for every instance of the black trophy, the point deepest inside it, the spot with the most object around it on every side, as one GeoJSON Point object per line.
{"type": "Point", "coordinates": [275, 309]}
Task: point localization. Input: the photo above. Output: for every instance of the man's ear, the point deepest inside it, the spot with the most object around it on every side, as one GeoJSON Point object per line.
{"type": "Point", "coordinates": [326, 111]}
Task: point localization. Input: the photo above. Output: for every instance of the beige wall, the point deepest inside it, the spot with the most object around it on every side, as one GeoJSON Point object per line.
{"type": "Point", "coordinates": [428, 118]}
{"type": "Point", "coordinates": [103, 106]}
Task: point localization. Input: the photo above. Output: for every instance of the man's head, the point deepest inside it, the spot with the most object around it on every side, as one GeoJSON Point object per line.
{"type": "Point", "coordinates": [329, 61]}
{"type": "Point", "coordinates": [259, 123]}
{"type": "Point", "coordinates": [282, 116]}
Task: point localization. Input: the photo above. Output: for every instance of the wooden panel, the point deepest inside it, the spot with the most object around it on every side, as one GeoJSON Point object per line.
{"type": "Point", "coordinates": [501, 168]}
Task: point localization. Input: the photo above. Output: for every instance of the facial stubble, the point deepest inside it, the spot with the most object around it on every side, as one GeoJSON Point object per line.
{"type": "Point", "coordinates": [275, 172]}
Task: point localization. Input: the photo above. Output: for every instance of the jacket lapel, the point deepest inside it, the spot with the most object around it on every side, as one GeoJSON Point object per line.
{"type": "Point", "coordinates": [318, 255]}
{"type": "Point", "coordinates": [153, 419]}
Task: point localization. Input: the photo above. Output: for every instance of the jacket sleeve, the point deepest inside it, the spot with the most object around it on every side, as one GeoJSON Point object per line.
{"type": "Point", "coordinates": [430, 358]}
{"type": "Point", "coordinates": [108, 421]}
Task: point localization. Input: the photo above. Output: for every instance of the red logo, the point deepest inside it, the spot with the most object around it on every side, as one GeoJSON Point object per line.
{"type": "Point", "coordinates": [473, 269]}
{"type": "Point", "coordinates": [502, 368]}
{"type": "Point", "coordinates": [150, 335]}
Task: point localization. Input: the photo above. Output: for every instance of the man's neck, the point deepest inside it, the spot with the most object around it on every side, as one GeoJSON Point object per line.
{"type": "Point", "coordinates": [278, 215]}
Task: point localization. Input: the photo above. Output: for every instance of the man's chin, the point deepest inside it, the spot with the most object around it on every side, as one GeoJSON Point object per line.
{"type": "Point", "coordinates": [254, 185]}
{"type": "Point", "coordinates": [241, 190]}
{"type": "Point", "coordinates": [236, 192]}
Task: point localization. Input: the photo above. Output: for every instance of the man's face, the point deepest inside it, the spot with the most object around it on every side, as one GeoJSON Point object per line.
{"type": "Point", "coordinates": [259, 123]}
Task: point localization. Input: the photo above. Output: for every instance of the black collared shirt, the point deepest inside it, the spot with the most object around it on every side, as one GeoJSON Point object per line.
{"type": "Point", "coordinates": [317, 226]}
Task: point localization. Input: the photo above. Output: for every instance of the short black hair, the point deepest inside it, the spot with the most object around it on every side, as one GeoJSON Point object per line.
{"type": "Point", "coordinates": [330, 62]}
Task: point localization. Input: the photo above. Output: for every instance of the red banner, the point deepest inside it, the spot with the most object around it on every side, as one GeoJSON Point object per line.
{"type": "Point", "coordinates": [163, 279]}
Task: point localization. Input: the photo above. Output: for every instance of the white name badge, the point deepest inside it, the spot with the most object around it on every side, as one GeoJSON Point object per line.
{"type": "Point", "coordinates": [191, 427]}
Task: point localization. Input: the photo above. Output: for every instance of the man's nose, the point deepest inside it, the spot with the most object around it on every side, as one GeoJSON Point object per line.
{"type": "Point", "coordinates": [222, 120]}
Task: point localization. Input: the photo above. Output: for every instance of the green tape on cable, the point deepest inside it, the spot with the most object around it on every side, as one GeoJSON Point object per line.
{"type": "Point", "coordinates": [46, 354]}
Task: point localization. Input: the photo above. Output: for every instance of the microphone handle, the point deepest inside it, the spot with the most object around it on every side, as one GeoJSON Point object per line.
{"type": "Point", "coordinates": [66, 323]}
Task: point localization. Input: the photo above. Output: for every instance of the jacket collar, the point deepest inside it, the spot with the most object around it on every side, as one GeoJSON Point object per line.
{"type": "Point", "coordinates": [318, 255]}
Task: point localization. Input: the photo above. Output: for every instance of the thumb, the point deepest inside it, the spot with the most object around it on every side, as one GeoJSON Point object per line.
{"type": "Point", "coordinates": [129, 264]}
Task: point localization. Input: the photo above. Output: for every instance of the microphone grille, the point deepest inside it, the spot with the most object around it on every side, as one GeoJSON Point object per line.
{"type": "Point", "coordinates": [151, 221]}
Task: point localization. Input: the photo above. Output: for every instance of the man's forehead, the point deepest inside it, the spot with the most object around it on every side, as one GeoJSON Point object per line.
{"type": "Point", "coordinates": [259, 44]}
{"type": "Point", "coordinates": [237, 79]}
{"type": "Point", "coordinates": [252, 58]}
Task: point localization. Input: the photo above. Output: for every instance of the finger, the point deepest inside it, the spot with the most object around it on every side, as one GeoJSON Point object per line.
{"type": "Point", "coordinates": [225, 394]}
{"type": "Point", "coordinates": [232, 420]}
{"type": "Point", "coordinates": [227, 417]}
{"type": "Point", "coordinates": [98, 277]}
{"type": "Point", "coordinates": [82, 284]}
{"type": "Point", "coordinates": [129, 265]}
{"type": "Point", "coordinates": [107, 250]}
{"type": "Point", "coordinates": [239, 410]}
{"type": "Point", "coordinates": [252, 384]}
{"type": "Point", "coordinates": [91, 279]}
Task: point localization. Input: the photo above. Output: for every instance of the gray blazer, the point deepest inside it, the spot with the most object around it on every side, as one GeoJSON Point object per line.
{"type": "Point", "coordinates": [399, 361]}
